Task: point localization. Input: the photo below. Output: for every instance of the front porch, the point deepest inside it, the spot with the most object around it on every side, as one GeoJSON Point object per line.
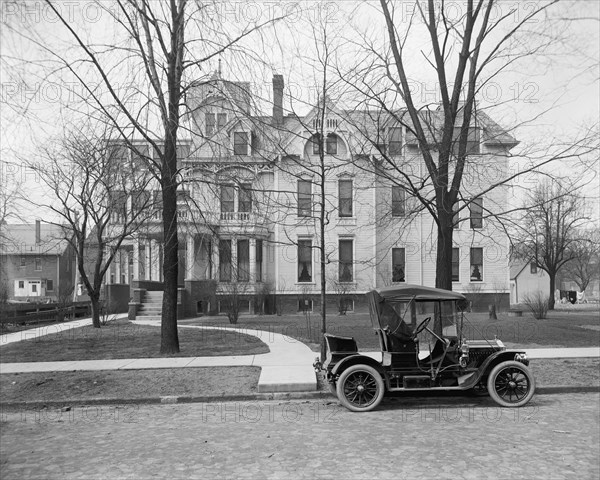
{"type": "Point", "coordinates": [211, 270]}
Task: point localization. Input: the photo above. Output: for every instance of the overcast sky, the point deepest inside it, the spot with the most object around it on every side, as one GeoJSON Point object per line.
{"type": "Point", "coordinates": [551, 96]}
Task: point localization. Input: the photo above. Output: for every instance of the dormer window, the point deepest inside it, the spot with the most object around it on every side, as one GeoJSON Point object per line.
{"type": "Point", "coordinates": [395, 141]}
{"type": "Point", "coordinates": [214, 122]}
{"type": "Point", "coordinates": [331, 144]}
{"type": "Point", "coordinates": [241, 143]}
{"type": "Point", "coordinates": [210, 123]}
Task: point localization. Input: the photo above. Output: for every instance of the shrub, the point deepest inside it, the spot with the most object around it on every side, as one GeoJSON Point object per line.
{"type": "Point", "coordinates": [538, 304]}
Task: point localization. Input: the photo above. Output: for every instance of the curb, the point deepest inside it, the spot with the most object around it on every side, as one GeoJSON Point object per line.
{"type": "Point", "coordinates": [173, 399]}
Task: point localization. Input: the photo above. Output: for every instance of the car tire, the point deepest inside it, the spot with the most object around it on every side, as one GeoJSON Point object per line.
{"type": "Point", "coordinates": [360, 388]}
{"type": "Point", "coordinates": [511, 384]}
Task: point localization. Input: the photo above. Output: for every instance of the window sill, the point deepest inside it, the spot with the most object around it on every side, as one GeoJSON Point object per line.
{"type": "Point", "coordinates": [347, 221]}
{"type": "Point", "coordinates": [305, 283]}
{"type": "Point", "coordinates": [476, 281]}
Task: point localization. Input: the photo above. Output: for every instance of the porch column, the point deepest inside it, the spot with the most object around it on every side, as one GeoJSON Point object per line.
{"type": "Point", "coordinates": [136, 258]}
{"type": "Point", "coordinates": [234, 256]}
{"type": "Point", "coordinates": [252, 260]}
{"type": "Point", "coordinates": [155, 261]}
{"type": "Point", "coordinates": [147, 260]}
{"type": "Point", "coordinates": [117, 264]}
{"type": "Point", "coordinates": [190, 257]}
{"type": "Point", "coordinates": [110, 268]}
{"type": "Point", "coordinates": [128, 255]}
{"type": "Point", "coordinates": [215, 258]}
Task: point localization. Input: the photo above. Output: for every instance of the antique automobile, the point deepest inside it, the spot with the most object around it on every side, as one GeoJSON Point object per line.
{"type": "Point", "coordinates": [423, 347]}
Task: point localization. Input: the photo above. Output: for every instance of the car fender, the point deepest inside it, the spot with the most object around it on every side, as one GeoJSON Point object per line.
{"type": "Point", "coordinates": [497, 358]}
{"type": "Point", "coordinates": [355, 360]}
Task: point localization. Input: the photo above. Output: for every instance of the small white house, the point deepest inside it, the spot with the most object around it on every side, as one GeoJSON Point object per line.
{"type": "Point", "coordinates": [527, 279]}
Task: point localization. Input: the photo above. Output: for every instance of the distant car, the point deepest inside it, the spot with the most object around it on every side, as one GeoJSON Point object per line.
{"type": "Point", "coordinates": [406, 317]}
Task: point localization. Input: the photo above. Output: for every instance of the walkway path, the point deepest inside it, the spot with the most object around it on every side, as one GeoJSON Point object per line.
{"type": "Point", "coordinates": [287, 367]}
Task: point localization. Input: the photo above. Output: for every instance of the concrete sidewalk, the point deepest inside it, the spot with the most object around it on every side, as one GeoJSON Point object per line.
{"type": "Point", "coordinates": [286, 368]}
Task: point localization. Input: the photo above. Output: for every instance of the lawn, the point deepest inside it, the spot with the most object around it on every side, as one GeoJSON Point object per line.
{"type": "Point", "coordinates": [123, 339]}
{"type": "Point", "coordinates": [55, 387]}
{"type": "Point", "coordinates": [562, 328]}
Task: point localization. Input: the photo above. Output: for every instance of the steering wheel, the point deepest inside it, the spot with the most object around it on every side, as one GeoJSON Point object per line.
{"type": "Point", "coordinates": [422, 326]}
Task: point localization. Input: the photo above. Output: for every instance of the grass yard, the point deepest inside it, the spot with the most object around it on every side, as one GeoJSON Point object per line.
{"type": "Point", "coordinates": [53, 387]}
{"type": "Point", "coordinates": [123, 339]}
{"type": "Point", "coordinates": [562, 328]}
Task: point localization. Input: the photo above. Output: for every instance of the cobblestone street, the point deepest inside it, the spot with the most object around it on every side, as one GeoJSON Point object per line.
{"type": "Point", "coordinates": [554, 437]}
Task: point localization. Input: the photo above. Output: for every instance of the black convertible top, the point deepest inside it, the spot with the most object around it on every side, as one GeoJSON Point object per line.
{"type": "Point", "coordinates": [407, 292]}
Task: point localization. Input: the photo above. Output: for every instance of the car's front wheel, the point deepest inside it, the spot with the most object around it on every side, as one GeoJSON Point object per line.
{"type": "Point", "coordinates": [511, 384]}
{"type": "Point", "coordinates": [360, 388]}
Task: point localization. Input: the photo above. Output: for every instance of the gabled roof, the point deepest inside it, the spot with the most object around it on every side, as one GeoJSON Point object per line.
{"type": "Point", "coordinates": [19, 239]}
{"type": "Point", "coordinates": [516, 268]}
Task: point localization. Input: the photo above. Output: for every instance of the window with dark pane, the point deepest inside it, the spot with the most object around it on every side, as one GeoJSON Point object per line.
{"type": "Point", "coordinates": [225, 260]}
{"type": "Point", "coordinates": [210, 123]}
{"type": "Point", "coordinates": [455, 216]}
{"type": "Point", "coordinates": [332, 146]}
{"type": "Point", "coordinates": [398, 201]}
{"type": "Point", "coordinates": [395, 143]}
{"type": "Point", "coordinates": [455, 264]}
{"type": "Point", "coordinates": [227, 198]}
{"type": "Point", "coordinates": [398, 265]}
{"type": "Point", "coordinates": [245, 198]}
{"type": "Point", "coordinates": [345, 264]}
{"type": "Point", "coordinates": [316, 144]}
{"type": "Point", "coordinates": [476, 264]}
{"type": "Point", "coordinates": [345, 198]}
{"type": "Point", "coordinates": [476, 210]}
{"type": "Point", "coordinates": [240, 143]}
{"type": "Point", "coordinates": [243, 260]}
{"type": "Point", "coordinates": [304, 260]}
{"type": "Point", "coordinates": [304, 198]}
{"type": "Point", "coordinates": [259, 260]}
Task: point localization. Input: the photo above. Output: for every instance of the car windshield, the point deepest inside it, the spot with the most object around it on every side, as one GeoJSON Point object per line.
{"type": "Point", "coordinates": [402, 318]}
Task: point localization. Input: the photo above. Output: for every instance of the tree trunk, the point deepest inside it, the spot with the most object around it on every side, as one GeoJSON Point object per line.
{"type": "Point", "coordinates": [95, 300]}
{"type": "Point", "coordinates": [443, 265]}
{"type": "Point", "coordinates": [323, 278]}
{"type": "Point", "coordinates": [169, 341]}
{"type": "Point", "coordinates": [552, 287]}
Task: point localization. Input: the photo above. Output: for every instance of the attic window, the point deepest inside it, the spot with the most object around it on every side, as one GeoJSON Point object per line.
{"type": "Point", "coordinates": [332, 123]}
{"type": "Point", "coordinates": [241, 143]}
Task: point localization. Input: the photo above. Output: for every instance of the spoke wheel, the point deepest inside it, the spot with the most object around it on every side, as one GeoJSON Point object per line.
{"type": "Point", "coordinates": [360, 388]}
{"type": "Point", "coordinates": [511, 384]}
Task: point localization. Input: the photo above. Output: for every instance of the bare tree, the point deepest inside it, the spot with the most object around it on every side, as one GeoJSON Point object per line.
{"type": "Point", "coordinates": [585, 258]}
{"type": "Point", "coordinates": [100, 199]}
{"type": "Point", "coordinates": [137, 81]}
{"type": "Point", "coordinates": [463, 53]}
{"type": "Point", "coordinates": [549, 227]}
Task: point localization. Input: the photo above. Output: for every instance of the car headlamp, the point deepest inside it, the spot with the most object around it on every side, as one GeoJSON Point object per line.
{"type": "Point", "coordinates": [522, 357]}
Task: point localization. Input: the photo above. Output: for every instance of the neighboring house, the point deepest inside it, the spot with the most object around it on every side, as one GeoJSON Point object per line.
{"type": "Point", "coordinates": [248, 209]}
{"type": "Point", "coordinates": [36, 262]}
{"type": "Point", "coordinates": [527, 279]}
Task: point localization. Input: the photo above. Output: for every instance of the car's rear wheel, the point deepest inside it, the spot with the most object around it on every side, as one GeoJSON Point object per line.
{"type": "Point", "coordinates": [511, 384]}
{"type": "Point", "coordinates": [360, 388]}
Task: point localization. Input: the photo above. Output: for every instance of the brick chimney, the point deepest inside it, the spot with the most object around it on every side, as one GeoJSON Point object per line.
{"type": "Point", "coordinates": [38, 232]}
{"type": "Point", "coordinates": [278, 99]}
